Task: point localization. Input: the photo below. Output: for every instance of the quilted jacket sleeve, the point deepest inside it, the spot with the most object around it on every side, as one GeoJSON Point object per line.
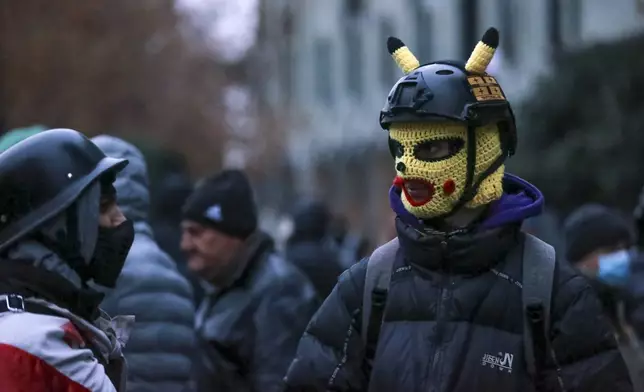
{"type": "Point", "coordinates": [586, 357]}
{"type": "Point", "coordinates": [330, 354]}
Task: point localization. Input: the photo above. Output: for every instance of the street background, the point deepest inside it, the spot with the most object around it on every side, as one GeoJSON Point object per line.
{"type": "Point", "coordinates": [290, 90]}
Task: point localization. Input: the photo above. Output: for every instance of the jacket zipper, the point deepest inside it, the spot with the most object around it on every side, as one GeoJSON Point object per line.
{"type": "Point", "coordinates": [435, 361]}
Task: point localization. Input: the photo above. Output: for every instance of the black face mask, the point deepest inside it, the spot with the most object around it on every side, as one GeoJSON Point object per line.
{"type": "Point", "coordinates": [112, 247]}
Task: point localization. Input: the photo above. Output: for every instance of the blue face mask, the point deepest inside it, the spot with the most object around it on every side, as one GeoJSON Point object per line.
{"type": "Point", "coordinates": [614, 268]}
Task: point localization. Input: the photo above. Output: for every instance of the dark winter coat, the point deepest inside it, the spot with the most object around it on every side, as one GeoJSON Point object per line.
{"type": "Point", "coordinates": [454, 307]}
{"type": "Point", "coordinates": [249, 328]}
{"type": "Point", "coordinates": [318, 260]}
{"type": "Point", "coordinates": [161, 348]}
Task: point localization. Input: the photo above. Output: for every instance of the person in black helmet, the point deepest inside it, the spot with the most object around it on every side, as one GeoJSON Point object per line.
{"type": "Point", "coordinates": [462, 300]}
{"type": "Point", "coordinates": [63, 242]}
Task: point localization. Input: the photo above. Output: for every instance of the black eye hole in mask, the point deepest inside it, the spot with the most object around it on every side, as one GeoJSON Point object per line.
{"type": "Point", "coordinates": [438, 150]}
{"type": "Point", "coordinates": [396, 149]}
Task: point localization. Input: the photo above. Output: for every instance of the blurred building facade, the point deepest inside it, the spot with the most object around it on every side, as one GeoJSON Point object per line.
{"type": "Point", "coordinates": [325, 68]}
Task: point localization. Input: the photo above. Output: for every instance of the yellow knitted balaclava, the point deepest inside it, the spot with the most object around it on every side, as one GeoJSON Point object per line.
{"type": "Point", "coordinates": [432, 185]}
{"type": "Point", "coordinates": [444, 179]}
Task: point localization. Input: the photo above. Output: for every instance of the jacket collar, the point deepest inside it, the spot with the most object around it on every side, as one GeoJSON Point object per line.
{"type": "Point", "coordinates": [461, 251]}
{"type": "Point", "coordinates": [255, 245]}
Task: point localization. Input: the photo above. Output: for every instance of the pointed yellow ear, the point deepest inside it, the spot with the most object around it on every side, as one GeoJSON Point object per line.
{"type": "Point", "coordinates": [405, 59]}
{"type": "Point", "coordinates": [483, 52]}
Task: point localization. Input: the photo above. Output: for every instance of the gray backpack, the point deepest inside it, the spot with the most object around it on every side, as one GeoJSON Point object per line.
{"type": "Point", "coordinates": [538, 273]}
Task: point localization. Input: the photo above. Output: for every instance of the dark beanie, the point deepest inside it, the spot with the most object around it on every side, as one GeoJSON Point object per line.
{"type": "Point", "coordinates": [224, 202]}
{"type": "Point", "coordinates": [311, 219]}
{"type": "Point", "coordinates": [593, 227]}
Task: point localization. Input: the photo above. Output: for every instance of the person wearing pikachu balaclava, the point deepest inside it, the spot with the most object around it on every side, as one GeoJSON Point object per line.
{"type": "Point", "coordinates": [450, 131]}
{"type": "Point", "coordinates": [452, 316]}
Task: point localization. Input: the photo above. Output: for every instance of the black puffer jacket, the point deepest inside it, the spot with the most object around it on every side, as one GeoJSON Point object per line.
{"type": "Point", "coordinates": [454, 302]}
{"type": "Point", "coordinates": [250, 327]}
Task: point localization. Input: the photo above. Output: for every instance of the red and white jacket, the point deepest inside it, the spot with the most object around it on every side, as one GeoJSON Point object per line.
{"type": "Point", "coordinates": [46, 353]}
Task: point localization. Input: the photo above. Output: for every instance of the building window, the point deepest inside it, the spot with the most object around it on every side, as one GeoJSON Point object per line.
{"type": "Point", "coordinates": [571, 24]}
{"type": "Point", "coordinates": [469, 27]}
{"type": "Point", "coordinates": [507, 15]}
{"type": "Point", "coordinates": [554, 28]}
{"type": "Point", "coordinates": [285, 72]}
{"type": "Point", "coordinates": [388, 70]}
{"type": "Point", "coordinates": [287, 22]}
{"type": "Point", "coordinates": [353, 60]}
{"type": "Point", "coordinates": [353, 57]}
{"type": "Point", "coordinates": [353, 8]}
{"type": "Point", "coordinates": [424, 32]}
{"type": "Point", "coordinates": [323, 70]}
{"type": "Point", "coordinates": [286, 59]}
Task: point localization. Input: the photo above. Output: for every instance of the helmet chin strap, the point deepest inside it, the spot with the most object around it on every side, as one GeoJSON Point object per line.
{"type": "Point", "coordinates": [65, 244]}
{"type": "Point", "coordinates": [471, 186]}
{"type": "Point", "coordinates": [72, 246]}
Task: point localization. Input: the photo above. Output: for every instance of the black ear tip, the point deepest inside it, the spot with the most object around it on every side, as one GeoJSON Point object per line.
{"type": "Point", "coordinates": [491, 38]}
{"type": "Point", "coordinates": [393, 44]}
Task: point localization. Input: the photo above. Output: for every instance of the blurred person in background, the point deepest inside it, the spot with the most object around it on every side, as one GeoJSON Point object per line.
{"type": "Point", "coordinates": [621, 284]}
{"type": "Point", "coordinates": [638, 215]}
{"type": "Point", "coordinates": [338, 228]}
{"type": "Point", "coordinates": [310, 247]}
{"type": "Point", "coordinates": [462, 300]}
{"type": "Point", "coordinates": [593, 231]}
{"type": "Point", "coordinates": [351, 247]}
{"type": "Point", "coordinates": [63, 240]}
{"type": "Point", "coordinates": [598, 241]}
{"type": "Point", "coordinates": [15, 135]}
{"type": "Point", "coordinates": [625, 275]}
{"type": "Point", "coordinates": [160, 352]}
{"type": "Point", "coordinates": [257, 305]}
{"type": "Point", "coordinates": [167, 200]}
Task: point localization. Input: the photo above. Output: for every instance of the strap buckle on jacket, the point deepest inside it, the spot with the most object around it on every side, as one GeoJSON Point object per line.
{"type": "Point", "coordinates": [14, 303]}
{"type": "Point", "coordinates": [536, 325]}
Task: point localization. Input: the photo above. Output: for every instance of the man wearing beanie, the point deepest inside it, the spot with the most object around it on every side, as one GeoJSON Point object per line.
{"type": "Point", "coordinates": [598, 241]}
{"type": "Point", "coordinates": [593, 231]}
{"type": "Point", "coordinates": [257, 305]}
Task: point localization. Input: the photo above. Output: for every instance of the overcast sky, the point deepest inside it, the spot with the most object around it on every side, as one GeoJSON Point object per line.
{"type": "Point", "coordinates": [232, 22]}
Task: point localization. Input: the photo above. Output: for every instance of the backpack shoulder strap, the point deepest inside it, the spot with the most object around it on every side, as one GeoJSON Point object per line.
{"type": "Point", "coordinates": [539, 261]}
{"type": "Point", "coordinates": [379, 270]}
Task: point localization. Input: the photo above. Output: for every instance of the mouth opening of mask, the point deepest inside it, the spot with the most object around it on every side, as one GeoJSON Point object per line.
{"type": "Point", "coordinates": [438, 149]}
{"type": "Point", "coordinates": [417, 191]}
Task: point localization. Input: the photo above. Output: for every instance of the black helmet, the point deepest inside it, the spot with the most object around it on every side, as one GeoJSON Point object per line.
{"type": "Point", "coordinates": [446, 91]}
{"type": "Point", "coordinates": [43, 175]}
{"type": "Point", "coordinates": [452, 91]}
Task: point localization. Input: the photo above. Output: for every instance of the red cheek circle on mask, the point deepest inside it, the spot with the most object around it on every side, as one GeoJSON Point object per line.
{"type": "Point", "coordinates": [449, 187]}
{"type": "Point", "coordinates": [398, 182]}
